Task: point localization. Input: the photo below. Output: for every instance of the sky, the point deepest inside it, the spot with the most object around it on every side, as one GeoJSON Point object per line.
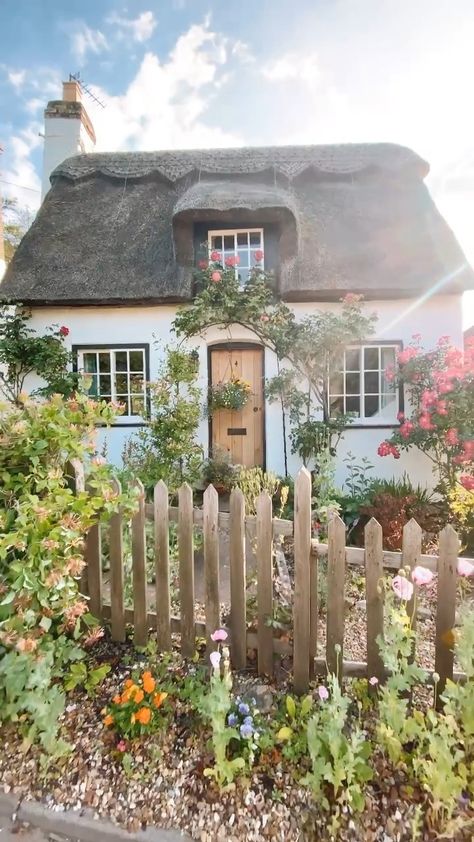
{"type": "Point", "coordinates": [203, 73]}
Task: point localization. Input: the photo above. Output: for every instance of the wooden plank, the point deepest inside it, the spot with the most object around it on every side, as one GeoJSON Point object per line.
{"type": "Point", "coordinates": [238, 616]}
{"type": "Point", "coordinates": [301, 605]}
{"type": "Point", "coordinates": [314, 612]}
{"type": "Point", "coordinates": [446, 606]}
{"type": "Point", "coordinates": [186, 569]}
{"type": "Point", "coordinates": [373, 537]}
{"type": "Point", "coordinates": [211, 563]}
{"type": "Point", "coordinates": [93, 558]}
{"type": "Point", "coordinates": [411, 558]}
{"type": "Point", "coordinates": [264, 583]}
{"type": "Point", "coordinates": [162, 580]}
{"type": "Point", "coordinates": [280, 526]}
{"type": "Point", "coordinates": [116, 572]}
{"type": "Point", "coordinates": [335, 594]}
{"type": "Point", "coordinates": [391, 560]}
{"type": "Point", "coordinates": [140, 631]}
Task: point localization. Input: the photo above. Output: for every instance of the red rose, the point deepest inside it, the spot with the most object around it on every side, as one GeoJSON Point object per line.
{"type": "Point", "coordinates": [64, 331]}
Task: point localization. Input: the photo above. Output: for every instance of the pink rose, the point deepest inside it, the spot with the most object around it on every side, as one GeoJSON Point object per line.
{"type": "Point", "coordinates": [216, 256]}
{"type": "Point", "coordinates": [216, 277]}
{"type": "Point", "coordinates": [422, 576]}
{"type": "Point", "coordinates": [203, 264]}
{"type": "Point", "coordinates": [323, 693]}
{"type": "Point", "coordinates": [258, 256]}
{"type": "Point", "coordinates": [451, 437]}
{"type": "Point", "coordinates": [467, 482]}
{"type": "Point", "coordinates": [465, 568]}
{"type": "Point", "coordinates": [425, 421]}
{"type": "Point", "coordinates": [403, 588]}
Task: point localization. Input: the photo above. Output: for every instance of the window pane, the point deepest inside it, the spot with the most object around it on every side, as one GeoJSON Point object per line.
{"type": "Point", "coordinates": [256, 239]}
{"type": "Point", "coordinates": [388, 357]}
{"type": "Point", "coordinates": [121, 384]}
{"type": "Point", "coordinates": [337, 406]}
{"type": "Point", "coordinates": [353, 405]}
{"type": "Point", "coordinates": [92, 390]}
{"type": "Point", "coordinates": [136, 361]}
{"type": "Point", "coordinates": [371, 405]}
{"type": "Point", "coordinates": [243, 238]}
{"type": "Point", "coordinates": [336, 383]}
{"type": "Point", "coordinates": [136, 383]}
{"type": "Point", "coordinates": [123, 399]}
{"type": "Point", "coordinates": [105, 384]}
{"type": "Point", "coordinates": [352, 384]}
{"type": "Point", "coordinates": [137, 406]}
{"type": "Point", "coordinates": [216, 243]}
{"type": "Point", "coordinates": [121, 363]}
{"type": "Point", "coordinates": [388, 401]}
{"type": "Point", "coordinates": [104, 362]}
{"type": "Point", "coordinates": [229, 242]}
{"type": "Point", "coordinates": [371, 382]}
{"type": "Point", "coordinates": [90, 362]}
{"type": "Point", "coordinates": [371, 358]}
{"type": "Point", "coordinates": [352, 359]}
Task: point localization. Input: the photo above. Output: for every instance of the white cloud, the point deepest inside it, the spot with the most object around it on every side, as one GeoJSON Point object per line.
{"type": "Point", "coordinates": [140, 29]}
{"type": "Point", "coordinates": [294, 67]}
{"type": "Point", "coordinates": [85, 40]}
{"type": "Point", "coordinates": [19, 177]}
{"type": "Point", "coordinates": [16, 78]}
{"type": "Point", "coordinates": [165, 105]}
{"type": "Point", "coordinates": [242, 51]}
{"type": "Point", "coordinates": [34, 104]}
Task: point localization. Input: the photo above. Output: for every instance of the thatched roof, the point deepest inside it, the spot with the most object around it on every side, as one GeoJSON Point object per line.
{"type": "Point", "coordinates": [118, 228]}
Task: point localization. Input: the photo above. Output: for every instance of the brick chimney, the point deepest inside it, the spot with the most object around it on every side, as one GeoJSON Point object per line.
{"type": "Point", "coordinates": [67, 130]}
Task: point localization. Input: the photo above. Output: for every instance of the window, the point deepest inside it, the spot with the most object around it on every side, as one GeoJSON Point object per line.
{"type": "Point", "coordinates": [359, 385]}
{"type": "Point", "coordinates": [119, 375]}
{"type": "Point", "coordinates": [241, 243]}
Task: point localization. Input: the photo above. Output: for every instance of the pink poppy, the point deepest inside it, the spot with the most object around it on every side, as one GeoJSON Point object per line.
{"type": "Point", "coordinates": [403, 588]}
{"type": "Point", "coordinates": [465, 567]}
{"type": "Point", "coordinates": [422, 576]}
{"type": "Point", "coordinates": [373, 681]}
{"type": "Point", "coordinates": [219, 634]}
{"type": "Point", "coordinates": [215, 658]}
{"type": "Point", "coordinates": [323, 693]}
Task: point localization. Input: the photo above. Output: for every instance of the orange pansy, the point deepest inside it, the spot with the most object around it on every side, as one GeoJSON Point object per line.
{"type": "Point", "coordinates": [117, 699]}
{"type": "Point", "coordinates": [159, 699]}
{"type": "Point", "coordinates": [144, 716]}
{"type": "Point", "coordinates": [128, 683]}
{"type": "Point", "coordinates": [109, 720]}
{"type": "Point", "coordinates": [148, 683]}
{"type": "Point", "coordinates": [138, 697]}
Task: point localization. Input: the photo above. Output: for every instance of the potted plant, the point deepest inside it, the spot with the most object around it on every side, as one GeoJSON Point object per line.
{"type": "Point", "coordinates": [219, 471]}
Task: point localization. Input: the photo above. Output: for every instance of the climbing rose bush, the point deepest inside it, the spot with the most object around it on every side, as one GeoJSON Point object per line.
{"type": "Point", "coordinates": [439, 385]}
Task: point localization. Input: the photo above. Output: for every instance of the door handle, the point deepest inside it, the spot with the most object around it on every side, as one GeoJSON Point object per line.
{"type": "Point", "coordinates": [257, 408]}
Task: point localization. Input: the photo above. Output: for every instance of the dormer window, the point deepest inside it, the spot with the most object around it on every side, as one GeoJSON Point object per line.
{"type": "Point", "coordinates": [245, 244]}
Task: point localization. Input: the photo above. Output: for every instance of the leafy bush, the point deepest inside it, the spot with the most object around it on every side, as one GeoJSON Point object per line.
{"type": "Point", "coordinates": [394, 502]}
{"type": "Point", "coordinates": [252, 481]}
{"type": "Point", "coordinates": [167, 448]}
{"type": "Point", "coordinates": [43, 523]}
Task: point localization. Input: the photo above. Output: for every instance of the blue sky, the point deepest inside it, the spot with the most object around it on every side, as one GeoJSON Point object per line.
{"type": "Point", "coordinates": [189, 73]}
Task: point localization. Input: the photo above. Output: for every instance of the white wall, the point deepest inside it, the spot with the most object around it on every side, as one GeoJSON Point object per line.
{"type": "Point", "coordinates": [397, 320]}
{"type": "Point", "coordinates": [63, 137]}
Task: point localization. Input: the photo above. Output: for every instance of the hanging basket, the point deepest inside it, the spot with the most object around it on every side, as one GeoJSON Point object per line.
{"type": "Point", "coordinates": [232, 395]}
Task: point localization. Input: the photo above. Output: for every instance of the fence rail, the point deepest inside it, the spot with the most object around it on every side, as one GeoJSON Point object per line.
{"type": "Point", "coordinates": [263, 528]}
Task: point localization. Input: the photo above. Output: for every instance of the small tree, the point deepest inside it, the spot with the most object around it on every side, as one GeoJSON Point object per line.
{"type": "Point", "coordinates": [17, 221]}
{"type": "Point", "coordinates": [440, 388]}
{"type": "Point", "coordinates": [24, 352]}
{"type": "Point", "coordinates": [167, 449]}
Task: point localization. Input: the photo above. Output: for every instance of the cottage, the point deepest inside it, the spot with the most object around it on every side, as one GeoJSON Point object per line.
{"type": "Point", "coordinates": [114, 247]}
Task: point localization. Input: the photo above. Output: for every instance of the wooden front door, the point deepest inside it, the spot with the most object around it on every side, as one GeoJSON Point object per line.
{"type": "Point", "coordinates": [239, 432]}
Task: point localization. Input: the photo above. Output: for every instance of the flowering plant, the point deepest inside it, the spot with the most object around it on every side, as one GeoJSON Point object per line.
{"type": "Point", "coordinates": [440, 387]}
{"type": "Point", "coordinates": [139, 709]}
{"type": "Point", "coordinates": [232, 394]}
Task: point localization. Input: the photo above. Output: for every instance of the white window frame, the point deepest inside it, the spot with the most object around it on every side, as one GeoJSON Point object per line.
{"type": "Point", "coordinates": [112, 350]}
{"type": "Point", "coordinates": [229, 232]}
{"type": "Point", "coordinates": [370, 420]}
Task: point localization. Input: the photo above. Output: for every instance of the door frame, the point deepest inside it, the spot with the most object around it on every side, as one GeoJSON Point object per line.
{"type": "Point", "coordinates": [239, 346]}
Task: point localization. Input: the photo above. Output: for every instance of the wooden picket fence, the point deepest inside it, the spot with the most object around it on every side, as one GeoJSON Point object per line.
{"type": "Point", "coordinates": [264, 528]}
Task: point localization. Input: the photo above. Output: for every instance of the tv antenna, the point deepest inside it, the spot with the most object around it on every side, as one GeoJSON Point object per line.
{"type": "Point", "coordinates": [76, 77]}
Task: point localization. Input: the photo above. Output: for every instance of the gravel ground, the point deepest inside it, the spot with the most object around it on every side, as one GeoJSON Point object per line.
{"type": "Point", "coordinates": [166, 786]}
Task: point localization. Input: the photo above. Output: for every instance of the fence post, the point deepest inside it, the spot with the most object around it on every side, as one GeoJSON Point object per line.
{"type": "Point", "coordinates": [374, 598]}
{"type": "Point", "coordinates": [186, 568]}
{"type": "Point", "coordinates": [265, 583]}
{"type": "Point", "coordinates": [411, 556]}
{"type": "Point", "coordinates": [238, 620]}
{"type": "Point", "coordinates": [93, 570]}
{"type": "Point", "coordinates": [140, 633]}
{"type": "Point", "coordinates": [117, 608]}
{"type": "Point", "coordinates": [211, 562]}
{"type": "Point", "coordinates": [335, 595]}
{"type": "Point", "coordinates": [162, 584]}
{"type": "Point", "coordinates": [314, 612]}
{"type": "Point", "coordinates": [301, 605]}
{"type": "Point", "coordinates": [446, 606]}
